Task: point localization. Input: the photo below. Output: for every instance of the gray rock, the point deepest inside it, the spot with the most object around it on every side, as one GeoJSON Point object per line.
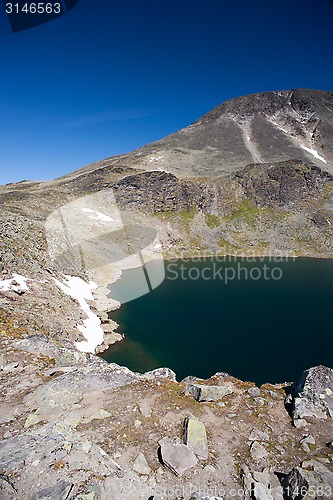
{"type": "Point", "coordinates": [2, 362]}
{"type": "Point", "coordinates": [10, 367]}
{"type": "Point", "coordinates": [308, 439]}
{"type": "Point", "coordinates": [258, 451]}
{"type": "Point", "coordinates": [145, 408]}
{"type": "Point", "coordinates": [254, 391]}
{"type": "Point", "coordinates": [307, 484]}
{"type": "Point", "coordinates": [195, 437]}
{"type": "Point", "coordinates": [208, 392]}
{"type": "Point", "coordinates": [299, 423]}
{"type": "Point", "coordinates": [262, 485]}
{"type": "Point", "coordinates": [191, 379]}
{"type": "Point", "coordinates": [176, 456]}
{"type": "Point", "coordinates": [161, 373]}
{"type": "Point", "coordinates": [59, 491]}
{"type": "Point", "coordinates": [141, 466]}
{"type": "Point", "coordinates": [257, 435]}
{"type": "Point", "coordinates": [305, 447]}
{"type": "Point", "coordinates": [312, 395]}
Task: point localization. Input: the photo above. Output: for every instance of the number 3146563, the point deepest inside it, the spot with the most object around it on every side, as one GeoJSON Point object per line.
{"type": "Point", "coordinates": [33, 8]}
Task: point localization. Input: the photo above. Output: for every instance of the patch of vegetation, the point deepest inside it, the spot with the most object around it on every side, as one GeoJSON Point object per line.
{"type": "Point", "coordinates": [263, 244]}
{"type": "Point", "coordinates": [250, 213]}
{"type": "Point", "coordinates": [223, 243]}
{"type": "Point", "coordinates": [183, 218]}
{"type": "Point", "coordinates": [212, 220]}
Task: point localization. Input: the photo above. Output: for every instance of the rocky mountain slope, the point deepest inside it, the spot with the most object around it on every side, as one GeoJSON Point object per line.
{"type": "Point", "coordinates": [252, 177]}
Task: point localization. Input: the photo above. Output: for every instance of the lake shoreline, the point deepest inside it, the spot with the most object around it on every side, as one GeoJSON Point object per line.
{"type": "Point", "coordinates": [228, 288]}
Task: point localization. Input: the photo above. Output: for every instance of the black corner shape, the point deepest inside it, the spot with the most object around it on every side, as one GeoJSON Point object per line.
{"type": "Point", "coordinates": [25, 15]}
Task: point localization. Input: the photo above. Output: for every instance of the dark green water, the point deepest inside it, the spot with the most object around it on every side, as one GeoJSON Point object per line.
{"type": "Point", "coordinates": [255, 329]}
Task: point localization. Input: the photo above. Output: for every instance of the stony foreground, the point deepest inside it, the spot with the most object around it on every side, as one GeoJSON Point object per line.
{"type": "Point", "coordinates": [74, 427]}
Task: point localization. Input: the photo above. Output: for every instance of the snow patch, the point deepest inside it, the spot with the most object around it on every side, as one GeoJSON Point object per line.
{"type": "Point", "coordinates": [155, 158]}
{"type": "Point", "coordinates": [99, 216]}
{"type": "Point", "coordinates": [17, 284]}
{"type": "Point", "coordinates": [314, 153]}
{"type": "Point", "coordinates": [281, 128]}
{"type": "Point", "coordinates": [91, 329]}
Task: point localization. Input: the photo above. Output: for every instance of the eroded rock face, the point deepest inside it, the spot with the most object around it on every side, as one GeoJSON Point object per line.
{"type": "Point", "coordinates": [312, 395]}
{"type": "Point", "coordinates": [283, 183]}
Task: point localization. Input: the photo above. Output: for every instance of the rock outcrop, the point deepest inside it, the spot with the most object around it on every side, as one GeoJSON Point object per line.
{"type": "Point", "coordinates": [312, 395]}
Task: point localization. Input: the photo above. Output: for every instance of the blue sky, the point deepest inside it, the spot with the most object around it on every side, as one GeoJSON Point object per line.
{"type": "Point", "coordinates": [111, 76]}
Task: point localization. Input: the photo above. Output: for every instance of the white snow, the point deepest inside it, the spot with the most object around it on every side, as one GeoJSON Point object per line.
{"type": "Point", "coordinates": [18, 284]}
{"type": "Point", "coordinates": [314, 153]}
{"type": "Point", "coordinates": [281, 128]}
{"type": "Point", "coordinates": [99, 216]}
{"type": "Point", "coordinates": [91, 329]}
{"type": "Point", "coordinates": [155, 158]}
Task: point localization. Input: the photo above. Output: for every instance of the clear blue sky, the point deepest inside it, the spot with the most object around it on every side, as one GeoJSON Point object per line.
{"type": "Point", "coordinates": [110, 76]}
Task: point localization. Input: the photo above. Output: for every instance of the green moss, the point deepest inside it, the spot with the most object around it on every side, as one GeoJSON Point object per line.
{"type": "Point", "coordinates": [223, 243]}
{"type": "Point", "coordinates": [249, 213]}
{"type": "Point", "coordinates": [183, 218]}
{"type": "Point", "coordinates": [212, 220]}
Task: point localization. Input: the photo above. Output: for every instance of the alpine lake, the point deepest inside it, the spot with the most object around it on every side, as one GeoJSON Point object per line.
{"type": "Point", "coordinates": [260, 320]}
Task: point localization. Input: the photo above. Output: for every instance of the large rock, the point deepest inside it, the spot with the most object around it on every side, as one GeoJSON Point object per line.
{"type": "Point", "coordinates": [60, 491]}
{"type": "Point", "coordinates": [176, 456]}
{"type": "Point", "coordinates": [208, 392]}
{"type": "Point", "coordinates": [263, 485]}
{"type": "Point", "coordinates": [312, 395]}
{"type": "Point", "coordinates": [195, 437]}
{"type": "Point", "coordinates": [312, 484]}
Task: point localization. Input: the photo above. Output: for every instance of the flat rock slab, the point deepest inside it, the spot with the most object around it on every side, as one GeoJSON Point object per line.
{"type": "Point", "coordinates": [60, 491]}
{"type": "Point", "coordinates": [176, 456]}
{"type": "Point", "coordinates": [208, 392]}
{"type": "Point", "coordinates": [141, 465]}
{"type": "Point", "coordinates": [195, 437]}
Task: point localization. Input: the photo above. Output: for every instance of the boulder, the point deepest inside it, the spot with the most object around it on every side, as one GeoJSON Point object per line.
{"type": "Point", "coordinates": [263, 485]}
{"type": "Point", "coordinates": [161, 373]}
{"type": "Point", "coordinates": [312, 395]}
{"type": "Point", "coordinates": [253, 391]}
{"type": "Point", "coordinates": [195, 437]}
{"type": "Point", "coordinates": [60, 491]}
{"type": "Point", "coordinates": [302, 484]}
{"type": "Point", "coordinates": [208, 392]}
{"type": "Point", "coordinates": [176, 456]}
